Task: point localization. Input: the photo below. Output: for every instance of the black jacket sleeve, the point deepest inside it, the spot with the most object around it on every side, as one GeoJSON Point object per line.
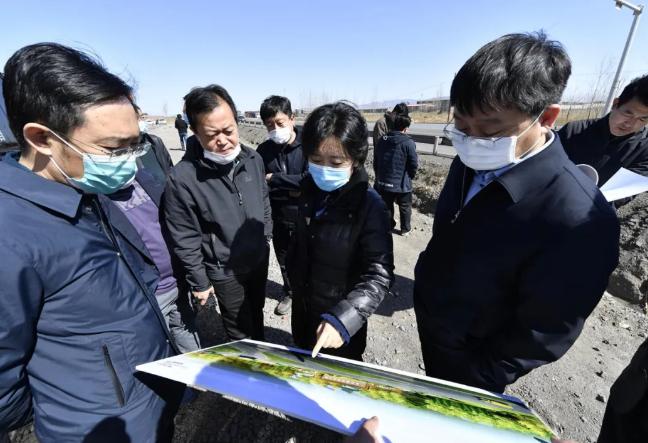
{"type": "Point", "coordinates": [267, 210]}
{"type": "Point", "coordinates": [286, 182]}
{"type": "Point", "coordinates": [551, 311]}
{"type": "Point", "coordinates": [377, 255]}
{"type": "Point", "coordinates": [184, 233]}
{"type": "Point", "coordinates": [20, 303]}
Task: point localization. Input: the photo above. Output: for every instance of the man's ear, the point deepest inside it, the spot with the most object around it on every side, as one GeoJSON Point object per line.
{"type": "Point", "coordinates": [615, 103]}
{"type": "Point", "coordinates": [39, 138]}
{"type": "Point", "coordinates": [549, 116]}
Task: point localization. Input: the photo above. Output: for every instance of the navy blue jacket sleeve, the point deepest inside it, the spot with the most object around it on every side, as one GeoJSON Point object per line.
{"type": "Point", "coordinates": [21, 296]}
{"type": "Point", "coordinates": [556, 293]}
{"type": "Point", "coordinates": [412, 159]}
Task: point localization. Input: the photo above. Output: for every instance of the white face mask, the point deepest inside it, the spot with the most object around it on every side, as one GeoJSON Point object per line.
{"type": "Point", "coordinates": [486, 154]}
{"type": "Point", "coordinates": [221, 159]}
{"type": "Point", "coordinates": [280, 135]}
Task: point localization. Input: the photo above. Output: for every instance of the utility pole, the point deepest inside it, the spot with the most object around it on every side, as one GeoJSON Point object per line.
{"type": "Point", "coordinates": [637, 10]}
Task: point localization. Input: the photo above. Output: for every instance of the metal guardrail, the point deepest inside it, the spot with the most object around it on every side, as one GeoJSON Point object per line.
{"type": "Point", "coordinates": [433, 137]}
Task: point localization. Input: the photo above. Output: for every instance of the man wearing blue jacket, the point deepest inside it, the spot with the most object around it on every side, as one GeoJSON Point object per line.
{"type": "Point", "coordinates": [78, 283]}
{"type": "Point", "coordinates": [395, 164]}
{"type": "Point", "coordinates": [523, 242]}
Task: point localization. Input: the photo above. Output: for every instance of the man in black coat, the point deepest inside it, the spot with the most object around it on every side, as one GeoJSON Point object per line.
{"type": "Point", "coordinates": [217, 214]}
{"type": "Point", "coordinates": [523, 242]}
{"type": "Point", "coordinates": [618, 140]}
{"type": "Point", "coordinates": [285, 167]}
{"type": "Point", "coordinates": [182, 127]}
{"type": "Point", "coordinates": [395, 164]}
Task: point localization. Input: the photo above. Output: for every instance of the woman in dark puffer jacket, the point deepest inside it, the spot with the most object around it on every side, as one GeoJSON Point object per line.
{"type": "Point", "coordinates": [341, 259]}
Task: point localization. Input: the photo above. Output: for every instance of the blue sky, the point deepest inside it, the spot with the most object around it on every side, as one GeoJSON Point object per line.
{"type": "Point", "coordinates": [315, 51]}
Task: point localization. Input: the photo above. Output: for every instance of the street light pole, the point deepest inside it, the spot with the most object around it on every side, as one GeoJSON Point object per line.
{"type": "Point", "coordinates": [637, 10]}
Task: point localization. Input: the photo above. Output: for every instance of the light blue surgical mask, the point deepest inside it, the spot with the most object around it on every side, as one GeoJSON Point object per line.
{"type": "Point", "coordinates": [102, 174]}
{"type": "Point", "coordinates": [329, 179]}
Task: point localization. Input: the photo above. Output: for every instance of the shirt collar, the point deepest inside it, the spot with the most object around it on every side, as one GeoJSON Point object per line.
{"type": "Point", "coordinates": [535, 170]}
{"type": "Point", "coordinates": [17, 180]}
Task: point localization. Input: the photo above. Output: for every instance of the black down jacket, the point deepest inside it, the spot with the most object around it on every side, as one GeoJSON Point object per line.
{"type": "Point", "coordinates": [341, 262]}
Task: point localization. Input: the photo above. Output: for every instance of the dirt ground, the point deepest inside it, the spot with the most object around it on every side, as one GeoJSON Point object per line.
{"type": "Point", "coordinates": [570, 394]}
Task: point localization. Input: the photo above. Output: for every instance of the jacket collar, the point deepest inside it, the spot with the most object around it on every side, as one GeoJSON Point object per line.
{"type": "Point", "coordinates": [17, 180]}
{"type": "Point", "coordinates": [535, 172]}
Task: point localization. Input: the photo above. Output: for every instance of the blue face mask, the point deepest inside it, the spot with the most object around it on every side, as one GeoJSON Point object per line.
{"type": "Point", "coordinates": [101, 173]}
{"type": "Point", "coordinates": [329, 179]}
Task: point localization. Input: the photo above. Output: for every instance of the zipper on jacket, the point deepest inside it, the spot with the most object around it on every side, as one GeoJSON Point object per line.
{"type": "Point", "coordinates": [119, 390]}
{"type": "Point", "coordinates": [104, 227]}
{"type": "Point", "coordinates": [461, 198]}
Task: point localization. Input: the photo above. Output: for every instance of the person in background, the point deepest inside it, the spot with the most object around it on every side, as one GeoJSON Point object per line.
{"type": "Point", "coordinates": [182, 126]}
{"type": "Point", "coordinates": [618, 140]}
{"type": "Point", "coordinates": [217, 214]}
{"type": "Point", "coordinates": [395, 164]}
{"type": "Point", "coordinates": [523, 242]}
{"type": "Point", "coordinates": [78, 301]}
{"type": "Point", "coordinates": [382, 125]}
{"type": "Point", "coordinates": [341, 260]}
{"type": "Point", "coordinates": [285, 167]}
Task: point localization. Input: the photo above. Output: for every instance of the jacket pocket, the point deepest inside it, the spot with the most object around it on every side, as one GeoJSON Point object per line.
{"type": "Point", "coordinates": [117, 385]}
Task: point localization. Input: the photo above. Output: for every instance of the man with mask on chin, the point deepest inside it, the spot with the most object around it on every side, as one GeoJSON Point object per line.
{"type": "Point", "coordinates": [217, 213]}
{"type": "Point", "coordinates": [285, 167]}
{"type": "Point", "coordinates": [77, 298]}
{"type": "Point", "coordinates": [523, 242]}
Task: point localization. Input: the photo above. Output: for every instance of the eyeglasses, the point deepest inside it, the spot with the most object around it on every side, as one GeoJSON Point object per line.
{"type": "Point", "coordinates": [136, 149]}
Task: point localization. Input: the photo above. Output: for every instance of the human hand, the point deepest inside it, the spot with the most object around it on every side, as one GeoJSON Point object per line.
{"type": "Point", "coordinates": [268, 177]}
{"type": "Point", "coordinates": [327, 337]}
{"type": "Point", "coordinates": [203, 296]}
{"type": "Point", "coordinates": [368, 433]}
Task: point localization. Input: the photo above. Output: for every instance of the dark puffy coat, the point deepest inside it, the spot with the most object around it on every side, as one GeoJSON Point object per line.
{"type": "Point", "coordinates": [507, 280]}
{"type": "Point", "coordinates": [341, 261]}
{"type": "Point", "coordinates": [288, 167]}
{"type": "Point", "coordinates": [395, 162]}
{"type": "Point", "coordinates": [78, 314]}
{"type": "Point", "coordinates": [217, 227]}
{"type": "Point", "coordinates": [592, 143]}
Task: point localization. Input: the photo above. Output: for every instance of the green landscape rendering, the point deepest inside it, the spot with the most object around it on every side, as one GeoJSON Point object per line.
{"type": "Point", "coordinates": [491, 410]}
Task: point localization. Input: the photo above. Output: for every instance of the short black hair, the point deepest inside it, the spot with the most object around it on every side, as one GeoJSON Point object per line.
{"type": "Point", "coordinates": [637, 88]}
{"type": "Point", "coordinates": [339, 120]}
{"type": "Point", "coordinates": [203, 100]}
{"type": "Point", "coordinates": [401, 108]}
{"type": "Point", "coordinates": [526, 72]}
{"type": "Point", "coordinates": [273, 105]}
{"type": "Point", "coordinates": [53, 85]}
{"type": "Point", "coordinates": [398, 122]}
{"type": "Point", "coordinates": [178, 115]}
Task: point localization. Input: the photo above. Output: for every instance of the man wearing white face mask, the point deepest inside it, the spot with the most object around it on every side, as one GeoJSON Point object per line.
{"type": "Point", "coordinates": [523, 242]}
{"type": "Point", "coordinates": [285, 167]}
{"type": "Point", "coordinates": [217, 213]}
